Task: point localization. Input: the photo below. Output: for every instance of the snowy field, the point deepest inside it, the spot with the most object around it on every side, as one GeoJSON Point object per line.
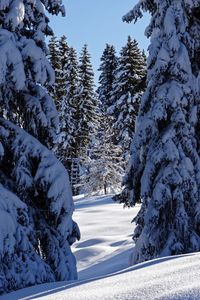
{"type": "Point", "coordinates": [106, 236]}
{"type": "Point", "coordinates": [102, 256]}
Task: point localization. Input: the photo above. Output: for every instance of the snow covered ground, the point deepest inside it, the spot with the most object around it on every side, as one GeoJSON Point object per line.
{"type": "Point", "coordinates": [106, 232]}
{"type": "Point", "coordinates": [102, 256]}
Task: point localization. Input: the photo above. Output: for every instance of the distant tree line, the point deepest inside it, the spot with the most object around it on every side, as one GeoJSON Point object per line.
{"type": "Point", "coordinates": [97, 126]}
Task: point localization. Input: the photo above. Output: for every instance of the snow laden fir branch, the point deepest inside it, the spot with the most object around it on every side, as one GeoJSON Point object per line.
{"type": "Point", "coordinates": [164, 169]}
{"type": "Point", "coordinates": [43, 186]}
{"type": "Point", "coordinates": [36, 202]}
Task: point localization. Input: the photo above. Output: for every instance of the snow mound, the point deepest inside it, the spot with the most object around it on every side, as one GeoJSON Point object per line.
{"type": "Point", "coordinates": [170, 278]}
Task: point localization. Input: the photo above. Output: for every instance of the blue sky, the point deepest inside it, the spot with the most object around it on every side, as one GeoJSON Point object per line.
{"type": "Point", "coordinates": [97, 22]}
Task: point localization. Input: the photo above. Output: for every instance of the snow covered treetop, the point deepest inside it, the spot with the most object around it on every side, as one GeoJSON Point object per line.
{"type": "Point", "coordinates": [24, 64]}
{"type": "Point", "coordinates": [153, 6]}
{"type": "Point", "coordinates": [28, 21]}
{"type": "Point", "coordinates": [17, 12]}
{"type": "Point", "coordinates": [136, 12]}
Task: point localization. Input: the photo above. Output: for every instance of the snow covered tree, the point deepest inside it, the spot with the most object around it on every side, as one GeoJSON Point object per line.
{"type": "Point", "coordinates": [68, 103]}
{"type": "Point", "coordinates": [58, 56]}
{"type": "Point", "coordinates": [164, 168]}
{"type": "Point", "coordinates": [86, 112]}
{"type": "Point", "coordinates": [105, 166]}
{"type": "Point", "coordinates": [63, 59]}
{"type": "Point", "coordinates": [85, 116]}
{"type": "Point", "coordinates": [194, 30]}
{"type": "Point", "coordinates": [126, 93]}
{"type": "Point", "coordinates": [54, 59]}
{"type": "Point", "coordinates": [36, 228]}
{"type": "Point", "coordinates": [106, 79]}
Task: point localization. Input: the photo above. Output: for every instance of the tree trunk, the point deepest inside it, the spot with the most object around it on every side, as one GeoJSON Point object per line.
{"type": "Point", "coordinates": [105, 188]}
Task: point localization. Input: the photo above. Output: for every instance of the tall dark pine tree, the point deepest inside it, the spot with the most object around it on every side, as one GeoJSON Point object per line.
{"type": "Point", "coordinates": [106, 165]}
{"type": "Point", "coordinates": [68, 105]}
{"type": "Point", "coordinates": [36, 227]}
{"type": "Point", "coordinates": [194, 30]}
{"type": "Point", "coordinates": [106, 79]}
{"type": "Point", "coordinates": [85, 116]}
{"type": "Point", "coordinates": [66, 89]}
{"type": "Point", "coordinates": [63, 60]}
{"type": "Point", "coordinates": [165, 164]}
{"type": "Point", "coordinates": [58, 56]}
{"type": "Point", "coordinates": [54, 59]}
{"type": "Point", "coordinates": [86, 111]}
{"type": "Point", "coordinates": [126, 93]}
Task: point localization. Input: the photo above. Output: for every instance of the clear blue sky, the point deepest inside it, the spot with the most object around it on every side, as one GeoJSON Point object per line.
{"type": "Point", "coordinates": [97, 22]}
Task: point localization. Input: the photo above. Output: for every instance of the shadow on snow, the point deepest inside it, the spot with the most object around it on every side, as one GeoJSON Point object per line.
{"type": "Point", "coordinates": [39, 291]}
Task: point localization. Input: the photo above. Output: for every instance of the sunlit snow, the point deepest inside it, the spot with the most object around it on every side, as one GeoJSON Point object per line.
{"type": "Point", "coordinates": [103, 257]}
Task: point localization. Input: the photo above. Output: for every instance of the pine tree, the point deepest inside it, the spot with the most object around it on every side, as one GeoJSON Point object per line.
{"type": "Point", "coordinates": [86, 111]}
{"type": "Point", "coordinates": [106, 79]}
{"type": "Point", "coordinates": [63, 59]}
{"type": "Point", "coordinates": [54, 59]}
{"type": "Point", "coordinates": [66, 148]}
{"type": "Point", "coordinates": [85, 115]}
{"type": "Point", "coordinates": [105, 167]}
{"type": "Point", "coordinates": [58, 56]}
{"type": "Point", "coordinates": [194, 31]}
{"type": "Point", "coordinates": [36, 203]}
{"type": "Point", "coordinates": [126, 93]}
{"type": "Point", "coordinates": [165, 163]}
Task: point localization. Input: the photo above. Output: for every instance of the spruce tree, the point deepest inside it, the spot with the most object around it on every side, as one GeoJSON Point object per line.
{"type": "Point", "coordinates": [165, 164]}
{"type": "Point", "coordinates": [54, 59]}
{"type": "Point", "coordinates": [68, 103]}
{"type": "Point", "coordinates": [85, 117]}
{"type": "Point", "coordinates": [36, 203]}
{"type": "Point", "coordinates": [63, 60]}
{"type": "Point", "coordinates": [105, 166]}
{"type": "Point", "coordinates": [86, 111]}
{"type": "Point", "coordinates": [106, 79]}
{"type": "Point", "coordinates": [194, 30]}
{"type": "Point", "coordinates": [58, 56]}
{"type": "Point", "coordinates": [66, 89]}
{"type": "Point", "coordinates": [126, 93]}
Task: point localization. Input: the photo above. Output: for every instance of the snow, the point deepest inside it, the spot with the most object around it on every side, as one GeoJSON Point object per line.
{"type": "Point", "coordinates": [103, 258]}
{"type": "Point", "coordinates": [10, 57]}
{"type": "Point", "coordinates": [105, 241]}
{"type": "Point", "coordinates": [50, 177]}
{"type": "Point", "coordinates": [16, 13]}
{"type": "Point", "coordinates": [9, 214]}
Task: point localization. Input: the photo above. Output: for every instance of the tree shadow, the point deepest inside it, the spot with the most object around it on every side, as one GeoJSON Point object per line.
{"type": "Point", "coordinates": [96, 201]}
